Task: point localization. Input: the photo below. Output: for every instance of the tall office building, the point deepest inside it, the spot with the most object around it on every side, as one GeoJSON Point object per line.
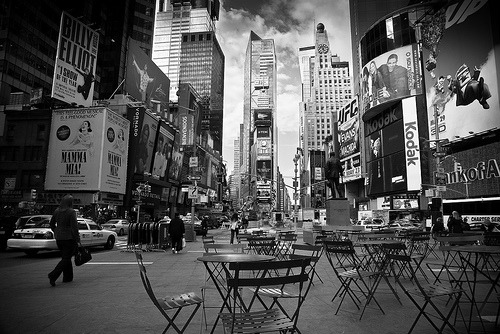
{"type": "Point", "coordinates": [326, 87]}
{"type": "Point", "coordinates": [174, 18]}
{"type": "Point", "coordinates": [202, 65]}
{"type": "Point", "coordinates": [260, 149]}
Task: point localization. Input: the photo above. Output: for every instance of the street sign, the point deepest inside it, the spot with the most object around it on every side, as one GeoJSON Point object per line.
{"type": "Point", "coordinates": [138, 202]}
{"type": "Point", "coordinates": [193, 192]}
{"type": "Point", "coordinates": [194, 177]}
{"type": "Point", "coordinates": [193, 162]}
{"type": "Point", "coordinates": [441, 188]}
{"type": "Point", "coordinates": [439, 154]}
{"type": "Point", "coordinates": [440, 181]}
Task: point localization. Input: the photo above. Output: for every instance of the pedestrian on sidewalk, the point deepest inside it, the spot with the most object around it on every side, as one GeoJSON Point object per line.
{"type": "Point", "coordinates": [235, 220]}
{"type": "Point", "coordinates": [176, 229]}
{"type": "Point", "coordinates": [65, 227]}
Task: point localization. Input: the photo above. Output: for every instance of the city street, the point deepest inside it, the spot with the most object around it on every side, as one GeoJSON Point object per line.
{"type": "Point", "coordinates": [107, 296]}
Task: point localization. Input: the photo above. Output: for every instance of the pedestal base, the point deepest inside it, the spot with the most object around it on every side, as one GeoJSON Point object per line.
{"type": "Point", "coordinates": [337, 212]}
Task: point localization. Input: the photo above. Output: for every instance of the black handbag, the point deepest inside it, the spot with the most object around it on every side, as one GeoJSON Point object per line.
{"type": "Point", "coordinates": [82, 255]}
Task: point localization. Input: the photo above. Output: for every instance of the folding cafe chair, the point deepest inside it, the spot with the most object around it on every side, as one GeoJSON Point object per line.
{"type": "Point", "coordinates": [218, 271]}
{"type": "Point", "coordinates": [271, 317]}
{"type": "Point", "coordinates": [263, 245]}
{"type": "Point", "coordinates": [312, 251]}
{"type": "Point", "coordinates": [165, 304]}
{"type": "Point", "coordinates": [354, 281]}
{"type": "Point", "coordinates": [429, 293]}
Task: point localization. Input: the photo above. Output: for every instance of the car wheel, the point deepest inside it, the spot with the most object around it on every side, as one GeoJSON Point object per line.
{"type": "Point", "coordinates": [31, 252]}
{"type": "Point", "coordinates": [120, 233]}
{"type": "Point", "coordinates": [110, 243]}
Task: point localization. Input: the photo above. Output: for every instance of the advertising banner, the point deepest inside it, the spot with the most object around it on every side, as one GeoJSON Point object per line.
{"type": "Point", "coordinates": [393, 75]}
{"type": "Point", "coordinates": [113, 176]}
{"type": "Point", "coordinates": [463, 85]}
{"type": "Point", "coordinates": [87, 150]}
{"type": "Point", "coordinates": [263, 132]}
{"type": "Point", "coordinates": [75, 65]}
{"type": "Point", "coordinates": [352, 168]}
{"type": "Point", "coordinates": [412, 147]}
{"type": "Point", "coordinates": [174, 170]}
{"type": "Point", "coordinates": [264, 170]}
{"type": "Point", "coordinates": [264, 148]}
{"type": "Point", "coordinates": [163, 149]}
{"type": "Point", "coordinates": [186, 122]}
{"type": "Point", "coordinates": [348, 129]}
{"type": "Point", "coordinates": [144, 80]}
{"type": "Point", "coordinates": [263, 117]}
{"type": "Point", "coordinates": [143, 129]}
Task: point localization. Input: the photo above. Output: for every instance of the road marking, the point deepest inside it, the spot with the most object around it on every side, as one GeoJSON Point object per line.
{"type": "Point", "coordinates": [113, 263]}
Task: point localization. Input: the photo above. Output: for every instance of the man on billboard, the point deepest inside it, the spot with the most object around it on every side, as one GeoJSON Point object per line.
{"type": "Point", "coordinates": [160, 159]}
{"type": "Point", "coordinates": [145, 79]}
{"type": "Point", "coordinates": [469, 88]}
{"type": "Point", "coordinates": [395, 77]}
{"type": "Point", "coordinates": [88, 79]}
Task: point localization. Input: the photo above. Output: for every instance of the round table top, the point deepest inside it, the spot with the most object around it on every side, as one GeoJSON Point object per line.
{"type": "Point", "coordinates": [476, 249]}
{"type": "Point", "coordinates": [378, 242]}
{"type": "Point", "coordinates": [235, 257]}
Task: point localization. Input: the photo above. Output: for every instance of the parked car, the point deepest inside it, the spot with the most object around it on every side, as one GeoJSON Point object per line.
{"type": "Point", "coordinates": [37, 236]}
{"type": "Point", "coordinates": [120, 226]}
{"type": "Point", "coordinates": [372, 224]}
{"type": "Point", "coordinates": [402, 226]}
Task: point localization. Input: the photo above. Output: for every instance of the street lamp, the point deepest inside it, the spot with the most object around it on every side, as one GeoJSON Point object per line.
{"type": "Point", "coordinates": [296, 159]}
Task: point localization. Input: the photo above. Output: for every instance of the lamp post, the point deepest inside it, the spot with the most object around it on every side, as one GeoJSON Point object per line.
{"type": "Point", "coordinates": [296, 159]}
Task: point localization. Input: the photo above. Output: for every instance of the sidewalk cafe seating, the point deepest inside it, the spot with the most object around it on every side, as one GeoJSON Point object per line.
{"type": "Point", "coordinates": [262, 245]}
{"type": "Point", "coordinates": [355, 282]}
{"type": "Point", "coordinates": [451, 261]}
{"type": "Point", "coordinates": [285, 242]}
{"type": "Point", "coordinates": [421, 295]}
{"type": "Point", "coordinates": [313, 252]}
{"type": "Point", "coordinates": [271, 317]}
{"type": "Point", "coordinates": [165, 304]}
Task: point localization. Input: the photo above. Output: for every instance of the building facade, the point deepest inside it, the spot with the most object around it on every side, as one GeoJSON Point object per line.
{"type": "Point", "coordinates": [259, 139]}
{"type": "Point", "coordinates": [174, 18]}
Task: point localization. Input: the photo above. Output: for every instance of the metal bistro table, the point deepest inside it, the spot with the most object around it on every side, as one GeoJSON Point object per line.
{"type": "Point", "coordinates": [217, 268]}
{"type": "Point", "coordinates": [479, 265]}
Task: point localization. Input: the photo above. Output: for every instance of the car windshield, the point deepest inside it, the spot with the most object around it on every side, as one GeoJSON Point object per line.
{"type": "Point", "coordinates": [45, 223]}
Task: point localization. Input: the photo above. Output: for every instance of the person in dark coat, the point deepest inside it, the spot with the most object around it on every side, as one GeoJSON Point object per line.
{"type": "Point", "coordinates": [65, 227]}
{"type": "Point", "coordinates": [438, 227]}
{"type": "Point", "coordinates": [176, 229]}
{"type": "Point", "coordinates": [235, 221]}
{"type": "Point", "coordinates": [333, 171]}
{"type": "Point", "coordinates": [455, 223]}
{"type": "Point", "coordinates": [204, 226]}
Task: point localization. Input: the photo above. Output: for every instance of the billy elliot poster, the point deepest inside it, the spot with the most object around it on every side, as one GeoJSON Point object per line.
{"type": "Point", "coordinates": [75, 65]}
{"type": "Point", "coordinates": [88, 150]}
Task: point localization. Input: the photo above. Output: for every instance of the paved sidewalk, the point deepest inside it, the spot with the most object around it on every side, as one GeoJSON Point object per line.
{"type": "Point", "coordinates": [107, 296]}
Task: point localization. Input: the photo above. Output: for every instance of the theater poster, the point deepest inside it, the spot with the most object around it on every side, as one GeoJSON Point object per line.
{"type": "Point", "coordinates": [143, 133]}
{"type": "Point", "coordinates": [348, 137]}
{"type": "Point", "coordinates": [87, 150]}
{"type": "Point", "coordinates": [75, 65]}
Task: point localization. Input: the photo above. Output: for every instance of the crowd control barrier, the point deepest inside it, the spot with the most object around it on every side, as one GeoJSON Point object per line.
{"type": "Point", "coordinates": [148, 237]}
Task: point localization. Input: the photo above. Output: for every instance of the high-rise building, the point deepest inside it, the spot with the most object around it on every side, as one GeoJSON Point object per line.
{"type": "Point", "coordinates": [174, 18]}
{"type": "Point", "coordinates": [202, 66]}
{"type": "Point", "coordinates": [326, 87]}
{"type": "Point", "coordinates": [260, 149]}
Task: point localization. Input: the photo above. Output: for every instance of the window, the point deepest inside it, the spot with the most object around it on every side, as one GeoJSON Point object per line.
{"type": "Point", "coordinates": [41, 132]}
{"type": "Point", "coordinates": [200, 37]}
{"type": "Point", "coordinates": [209, 37]}
{"type": "Point", "coordinates": [193, 38]}
{"type": "Point", "coordinates": [82, 226]}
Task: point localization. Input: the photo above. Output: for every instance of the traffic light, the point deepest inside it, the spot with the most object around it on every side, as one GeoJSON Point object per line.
{"type": "Point", "coordinates": [33, 194]}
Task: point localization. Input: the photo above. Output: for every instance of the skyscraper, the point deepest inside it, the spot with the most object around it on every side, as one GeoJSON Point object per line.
{"type": "Point", "coordinates": [174, 18]}
{"type": "Point", "coordinates": [259, 120]}
{"type": "Point", "coordinates": [202, 65]}
{"type": "Point", "coordinates": [326, 87]}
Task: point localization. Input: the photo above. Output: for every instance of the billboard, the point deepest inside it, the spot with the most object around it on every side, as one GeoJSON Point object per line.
{"type": "Point", "coordinates": [174, 170]}
{"type": "Point", "coordinates": [186, 123]}
{"type": "Point", "coordinates": [262, 117]}
{"type": "Point", "coordinates": [412, 146]}
{"type": "Point", "coordinates": [75, 65]}
{"type": "Point", "coordinates": [143, 130]}
{"type": "Point", "coordinates": [144, 80]}
{"type": "Point", "coordinates": [264, 170]}
{"type": "Point", "coordinates": [263, 132]}
{"type": "Point", "coordinates": [163, 151]}
{"type": "Point", "coordinates": [88, 150]}
{"type": "Point", "coordinates": [348, 137]}
{"type": "Point", "coordinates": [464, 90]}
{"type": "Point", "coordinates": [392, 75]}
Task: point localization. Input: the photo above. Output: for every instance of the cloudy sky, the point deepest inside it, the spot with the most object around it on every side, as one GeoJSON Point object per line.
{"type": "Point", "coordinates": [291, 23]}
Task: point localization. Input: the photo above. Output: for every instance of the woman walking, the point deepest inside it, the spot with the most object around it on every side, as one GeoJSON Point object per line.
{"type": "Point", "coordinates": [176, 229]}
{"type": "Point", "coordinates": [234, 226]}
{"type": "Point", "coordinates": [65, 227]}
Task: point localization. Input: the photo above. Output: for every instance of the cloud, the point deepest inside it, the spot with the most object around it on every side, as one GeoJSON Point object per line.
{"type": "Point", "coordinates": [291, 23]}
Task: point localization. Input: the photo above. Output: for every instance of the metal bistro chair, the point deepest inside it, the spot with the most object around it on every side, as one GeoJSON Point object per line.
{"type": "Point", "coordinates": [274, 317]}
{"type": "Point", "coordinates": [165, 304]}
{"type": "Point", "coordinates": [263, 246]}
{"type": "Point", "coordinates": [313, 252]}
{"type": "Point", "coordinates": [429, 293]}
{"type": "Point", "coordinates": [354, 281]}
